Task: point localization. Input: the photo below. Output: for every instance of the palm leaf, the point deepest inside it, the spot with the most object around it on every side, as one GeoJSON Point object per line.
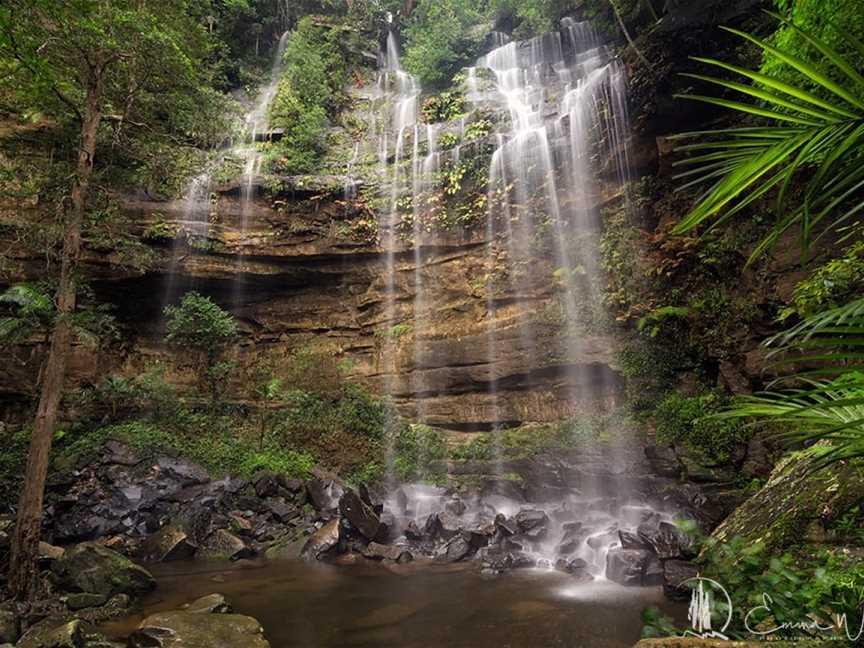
{"type": "Point", "coordinates": [801, 131]}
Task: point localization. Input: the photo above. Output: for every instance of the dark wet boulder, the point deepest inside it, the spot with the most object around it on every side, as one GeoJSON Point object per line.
{"type": "Point", "coordinates": [267, 483]}
{"type": "Point", "coordinates": [530, 519]}
{"type": "Point", "coordinates": [359, 514]}
{"type": "Point", "coordinates": [83, 600]}
{"type": "Point", "coordinates": [666, 540]}
{"type": "Point", "coordinates": [182, 471]}
{"type": "Point", "coordinates": [90, 567]}
{"type": "Point", "coordinates": [169, 543]}
{"type": "Point", "coordinates": [576, 567]}
{"type": "Point", "coordinates": [412, 531]}
{"type": "Point", "coordinates": [224, 545]}
{"type": "Point", "coordinates": [631, 540]}
{"type": "Point", "coordinates": [572, 538]}
{"type": "Point", "coordinates": [652, 573]}
{"type": "Point", "coordinates": [324, 494]}
{"type": "Point", "coordinates": [459, 547]}
{"type": "Point", "coordinates": [505, 527]}
{"type": "Point", "coordinates": [442, 525]}
{"type": "Point", "coordinates": [183, 629]}
{"type": "Point", "coordinates": [280, 510]}
{"type": "Point", "coordinates": [676, 577]}
{"type": "Point", "coordinates": [323, 542]}
{"type": "Point", "coordinates": [117, 452]}
{"type": "Point", "coordinates": [625, 566]}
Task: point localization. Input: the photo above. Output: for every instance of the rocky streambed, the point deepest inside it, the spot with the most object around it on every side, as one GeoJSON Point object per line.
{"type": "Point", "coordinates": [543, 542]}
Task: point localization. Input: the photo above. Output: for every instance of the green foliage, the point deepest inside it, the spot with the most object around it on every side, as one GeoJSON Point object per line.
{"type": "Point", "coordinates": [817, 134]}
{"type": "Point", "coordinates": [393, 332]}
{"type": "Point", "coordinates": [439, 40]}
{"type": "Point", "coordinates": [443, 107]}
{"type": "Point", "coordinates": [32, 309]}
{"type": "Point", "coordinates": [830, 285]}
{"type": "Point", "coordinates": [835, 22]}
{"type": "Point", "coordinates": [802, 586]}
{"type": "Point", "coordinates": [204, 439]}
{"type": "Point", "coordinates": [415, 447]}
{"type": "Point", "coordinates": [478, 129]}
{"type": "Point", "coordinates": [688, 421]}
{"type": "Point", "coordinates": [202, 327]}
{"type": "Point", "coordinates": [311, 90]}
{"type": "Point", "coordinates": [815, 410]}
{"type": "Point", "coordinates": [657, 624]}
{"type": "Point", "coordinates": [654, 320]}
{"type": "Point", "coordinates": [199, 324]}
{"type": "Point", "coordinates": [649, 365]}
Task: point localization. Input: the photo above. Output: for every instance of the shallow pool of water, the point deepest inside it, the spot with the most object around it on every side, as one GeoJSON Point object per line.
{"type": "Point", "coordinates": [418, 605]}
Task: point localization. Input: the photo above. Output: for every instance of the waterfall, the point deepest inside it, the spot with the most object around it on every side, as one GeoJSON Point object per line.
{"type": "Point", "coordinates": [256, 129]}
{"type": "Point", "coordinates": [562, 95]}
{"type": "Point", "coordinates": [398, 93]}
{"type": "Point", "coordinates": [558, 105]}
{"type": "Point", "coordinates": [194, 224]}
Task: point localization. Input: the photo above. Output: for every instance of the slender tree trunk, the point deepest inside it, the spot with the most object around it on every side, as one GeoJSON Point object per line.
{"type": "Point", "coordinates": [22, 572]}
{"type": "Point", "coordinates": [627, 34]}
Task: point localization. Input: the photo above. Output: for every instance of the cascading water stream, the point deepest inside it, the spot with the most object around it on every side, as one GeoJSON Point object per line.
{"type": "Point", "coordinates": [559, 101]}
{"type": "Point", "coordinates": [194, 224]}
{"type": "Point", "coordinates": [256, 128]}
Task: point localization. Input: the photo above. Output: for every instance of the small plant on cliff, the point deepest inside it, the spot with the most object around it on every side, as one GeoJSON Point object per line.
{"type": "Point", "coordinates": [202, 327]}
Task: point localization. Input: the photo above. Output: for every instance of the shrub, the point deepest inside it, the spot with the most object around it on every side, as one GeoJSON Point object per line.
{"type": "Point", "coordinates": [830, 285]}
{"type": "Point", "coordinates": [687, 421]}
{"type": "Point", "coordinates": [200, 326]}
{"type": "Point", "coordinates": [443, 107]}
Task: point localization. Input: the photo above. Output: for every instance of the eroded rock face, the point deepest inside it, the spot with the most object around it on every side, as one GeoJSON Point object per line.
{"type": "Point", "coordinates": [324, 541]}
{"type": "Point", "coordinates": [184, 629]}
{"type": "Point", "coordinates": [90, 567]}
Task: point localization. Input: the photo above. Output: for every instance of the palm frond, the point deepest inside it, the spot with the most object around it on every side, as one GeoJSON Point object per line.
{"type": "Point", "coordinates": [822, 132]}
{"type": "Point", "coordinates": [810, 407]}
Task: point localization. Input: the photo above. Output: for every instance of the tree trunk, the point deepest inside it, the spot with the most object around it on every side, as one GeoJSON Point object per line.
{"type": "Point", "coordinates": [22, 571]}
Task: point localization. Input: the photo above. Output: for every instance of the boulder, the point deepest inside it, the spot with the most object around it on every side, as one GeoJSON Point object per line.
{"type": "Point", "coordinates": [457, 548]}
{"type": "Point", "coordinates": [83, 600]}
{"type": "Point", "coordinates": [575, 567]}
{"type": "Point", "coordinates": [793, 498]}
{"type": "Point", "coordinates": [210, 604]}
{"type": "Point", "coordinates": [90, 567]}
{"type": "Point", "coordinates": [443, 525]}
{"type": "Point", "coordinates": [666, 540]}
{"type": "Point", "coordinates": [631, 540]}
{"type": "Point", "coordinates": [652, 573]}
{"type": "Point", "coordinates": [195, 630]}
{"type": "Point", "coordinates": [324, 494]}
{"type": "Point", "coordinates": [222, 545]}
{"type": "Point", "coordinates": [676, 573]}
{"type": "Point", "coordinates": [377, 551]}
{"type": "Point", "coordinates": [54, 633]}
{"type": "Point", "coordinates": [505, 527]}
{"type": "Point", "coordinates": [529, 519]}
{"type": "Point", "coordinates": [324, 541]}
{"type": "Point", "coordinates": [169, 543]}
{"type": "Point", "coordinates": [625, 566]}
{"type": "Point", "coordinates": [360, 515]}
{"type": "Point", "coordinates": [413, 532]}
{"type": "Point", "coordinates": [50, 552]}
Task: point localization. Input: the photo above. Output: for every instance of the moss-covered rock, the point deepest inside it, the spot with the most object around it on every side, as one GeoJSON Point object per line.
{"type": "Point", "coordinates": [90, 567]}
{"type": "Point", "coordinates": [194, 630]}
{"type": "Point", "coordinates": [794, 499]}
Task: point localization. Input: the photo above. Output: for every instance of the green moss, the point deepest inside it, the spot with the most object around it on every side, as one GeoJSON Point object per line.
{"type": "Point", "coordinates": [687, 421]}
{"type": "Point", "coordinates": [830, 285]}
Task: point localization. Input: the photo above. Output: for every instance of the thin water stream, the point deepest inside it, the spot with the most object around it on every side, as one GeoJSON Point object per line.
{"type": "Point", "coordinates": [418, 605]}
